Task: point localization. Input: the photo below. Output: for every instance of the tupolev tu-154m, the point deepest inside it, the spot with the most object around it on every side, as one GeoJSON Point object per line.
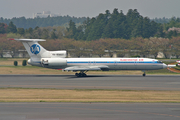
{"type": "Point", "coordinates": [57, 60]}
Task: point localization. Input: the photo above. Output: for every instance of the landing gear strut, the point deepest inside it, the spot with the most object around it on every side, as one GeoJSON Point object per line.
{"type": "Point", "coordinates": [81, 74]}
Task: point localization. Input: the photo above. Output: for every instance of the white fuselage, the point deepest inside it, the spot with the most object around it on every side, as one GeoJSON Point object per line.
{"type": "Point", "coordinates": [111, 63]}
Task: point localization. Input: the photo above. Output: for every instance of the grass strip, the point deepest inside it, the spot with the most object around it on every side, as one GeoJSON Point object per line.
{"type": "Point", "coordinates": [56, 95]}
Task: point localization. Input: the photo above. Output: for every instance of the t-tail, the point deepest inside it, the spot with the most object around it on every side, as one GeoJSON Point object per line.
{"type": "Point", "coordinates": [37, 52]}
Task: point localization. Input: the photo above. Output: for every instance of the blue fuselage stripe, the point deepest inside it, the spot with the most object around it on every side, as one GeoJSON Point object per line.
{"type": "Point", "coordinates": [108, 62]}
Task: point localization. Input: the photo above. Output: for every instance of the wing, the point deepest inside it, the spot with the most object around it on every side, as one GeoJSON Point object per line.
{"type": "Point", "coordinates": [87, 68]}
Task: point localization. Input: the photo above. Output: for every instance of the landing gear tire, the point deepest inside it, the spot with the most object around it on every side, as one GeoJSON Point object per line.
{"type": "Point", "coordinates": [84, 75]}
{"type": "Point", "coordinates": [144, 74]}
{"type": "Point", "coordinates": [76, 74]}
{"type": "Point", "coordinates": [80, 75]}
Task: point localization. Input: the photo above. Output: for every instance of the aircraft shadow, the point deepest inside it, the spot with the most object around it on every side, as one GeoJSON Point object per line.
{"type": "Point", "coordinates": [88, 76]}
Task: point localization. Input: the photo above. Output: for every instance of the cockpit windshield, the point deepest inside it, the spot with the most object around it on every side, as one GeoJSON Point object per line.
{"type": "Point", "coordinates": [159, 61]}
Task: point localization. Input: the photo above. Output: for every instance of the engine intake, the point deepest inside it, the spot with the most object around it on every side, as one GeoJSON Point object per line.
{"type": "Point", "coordinates": [53, 62]}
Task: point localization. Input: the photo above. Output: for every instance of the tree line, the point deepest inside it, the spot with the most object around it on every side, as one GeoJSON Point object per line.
{"type": "Point", "coordinates": [27, 23]}
{"type": "Point", "coordinates": [142, 47]}
{"type": "Point", "coordinates": [107, 25]}
{"type": "Point", "coordinates": [119, 25]}
{"type": "Point", "coordinates": [161, 20]}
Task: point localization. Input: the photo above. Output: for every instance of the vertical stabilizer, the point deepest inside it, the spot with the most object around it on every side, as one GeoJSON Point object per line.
{"type": "Point", "coordinates": [34, 49]}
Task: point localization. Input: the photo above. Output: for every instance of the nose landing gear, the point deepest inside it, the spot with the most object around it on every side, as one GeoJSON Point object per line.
{"type": "Point", "coordinates": [144, 74]}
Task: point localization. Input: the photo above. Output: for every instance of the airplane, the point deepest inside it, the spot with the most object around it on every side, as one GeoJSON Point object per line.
{"type": "Point", "coordinates": [57, 60]}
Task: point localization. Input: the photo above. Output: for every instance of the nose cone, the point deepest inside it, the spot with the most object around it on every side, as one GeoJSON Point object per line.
{"type": "Point", "coordinates": [164, 66]}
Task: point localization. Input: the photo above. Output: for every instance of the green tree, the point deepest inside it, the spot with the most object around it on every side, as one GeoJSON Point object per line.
{"type": "Point", "coordinates": [12, 28]}
{"type": "Point", "coordinates": [79, 33]}
{"type": "Point", "coordinates": [45, 34]}
{"type": "Point", "coordinates": [160, 32]}
{"type": "Point", "coordinates": [71, 30]}
{"type": "Point", "coordinates": [21, 31]}
{"type": "Point", "coordinates": [138, 28]}
{"type": "Point", "coordinates": [171, 33]}
{"type": "Point", "coordinates": [115, 23]}
{"type": "Point", "coordinates": [146, 28]}
{"type": "Point", "coordinates": [132, 19]}
{"type": "Point", "coordinates": [53, 35]}
{"type": "Point", "coordinates": [30, 30]}
{"type": "Point", "coordinates": [97, 28]}
{"type": "Point", "coordinates": [108, 31]}
{"type": "Point", "coordinates": [2, 28]}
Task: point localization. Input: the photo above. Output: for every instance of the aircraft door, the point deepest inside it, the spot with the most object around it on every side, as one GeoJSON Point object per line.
{"type": "Point", "coordinates": [135, 64]}
{"type": "Point", "coordinates": [116, 65]}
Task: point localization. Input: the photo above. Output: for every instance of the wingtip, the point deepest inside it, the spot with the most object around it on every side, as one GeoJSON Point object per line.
{"type": "Point", "coordinates": [171, 66]}
{"type": "Point", "coordinates": [178, 61]}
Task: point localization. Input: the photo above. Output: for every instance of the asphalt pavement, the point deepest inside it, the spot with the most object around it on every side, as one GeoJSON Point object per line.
{"type": "Point", "coordinates": [122, 82]}
{"type": "Point", "coordinates": [91, 111]}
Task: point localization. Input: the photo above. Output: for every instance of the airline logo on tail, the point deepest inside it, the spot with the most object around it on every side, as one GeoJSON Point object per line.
{"type": "Point", "coordinates": [35, 49]}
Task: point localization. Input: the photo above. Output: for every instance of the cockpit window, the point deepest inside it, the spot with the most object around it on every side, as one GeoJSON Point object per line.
{"type": "Point", "coordinates": [159, 61]}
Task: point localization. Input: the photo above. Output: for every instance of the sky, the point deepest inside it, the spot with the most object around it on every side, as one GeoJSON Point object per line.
{"type": "Point", "coordinates": [89, 8]}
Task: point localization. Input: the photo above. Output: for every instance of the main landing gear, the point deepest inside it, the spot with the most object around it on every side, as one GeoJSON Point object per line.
{"type": "Point", "coordinates": [81, 74]}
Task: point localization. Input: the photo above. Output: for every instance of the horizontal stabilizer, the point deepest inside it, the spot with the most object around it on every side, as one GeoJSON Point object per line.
{"type": "Point", "coordinates": [27, 40]}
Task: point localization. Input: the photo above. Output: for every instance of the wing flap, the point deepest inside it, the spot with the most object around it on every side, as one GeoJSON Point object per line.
{"type": "Point", "coordinates": [85, 68]}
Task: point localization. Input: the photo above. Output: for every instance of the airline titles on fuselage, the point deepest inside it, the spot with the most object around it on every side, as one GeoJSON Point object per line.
{"type": "Point", "coordinates": [131, 59]}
